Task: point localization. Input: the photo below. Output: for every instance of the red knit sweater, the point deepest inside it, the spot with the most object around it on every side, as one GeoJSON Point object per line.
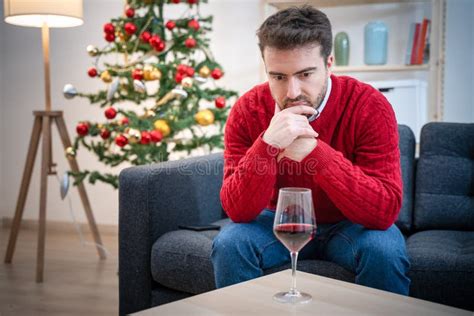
{"type": "Point", "coordinates": [354, 171]}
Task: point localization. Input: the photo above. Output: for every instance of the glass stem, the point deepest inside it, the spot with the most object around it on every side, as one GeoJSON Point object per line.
{"type": "Point", "coordinates": [294, 258]}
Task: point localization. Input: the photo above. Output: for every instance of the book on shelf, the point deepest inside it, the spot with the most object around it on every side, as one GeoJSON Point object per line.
{"type": "Point", "coordinates": [423, 39]}
{"type": "Point", "coordinates": [417, 51]}
{"type": "Point", "coordinates": [414, 44]}
{"type": "Point", "coordinates": [411, 35]}
{"type": "Point", "coordinates": [426, 50]}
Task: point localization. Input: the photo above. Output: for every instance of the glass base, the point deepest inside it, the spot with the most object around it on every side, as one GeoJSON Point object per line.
{"type": "Point", "coordinates": [292, 298]}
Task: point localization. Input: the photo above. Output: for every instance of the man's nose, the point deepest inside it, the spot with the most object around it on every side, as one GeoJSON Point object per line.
{"type": "Point", "coordinates": [294, 89]}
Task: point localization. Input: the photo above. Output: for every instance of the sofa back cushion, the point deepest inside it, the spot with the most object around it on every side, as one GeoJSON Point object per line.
{"type": "Point", "coordinates": [407, 160]}
{"type": "Point", "coordinates": [445, 177]}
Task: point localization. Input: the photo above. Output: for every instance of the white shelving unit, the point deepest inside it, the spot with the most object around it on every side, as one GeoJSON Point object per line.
{"type": "Point", "coordinates": [432, 73]}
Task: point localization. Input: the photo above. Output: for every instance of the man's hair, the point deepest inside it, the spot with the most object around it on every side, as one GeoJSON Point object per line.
{"type": "Point", "coordinates": [296, 27]}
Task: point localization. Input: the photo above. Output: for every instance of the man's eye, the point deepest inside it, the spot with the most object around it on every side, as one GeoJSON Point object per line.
{"type": "Point", "coordinates": [278, 77]}
{"type": "Point", "coordinates": [306, 74]}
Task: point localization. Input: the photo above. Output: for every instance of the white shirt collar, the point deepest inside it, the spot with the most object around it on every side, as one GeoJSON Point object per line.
{"type": "Point", "coordinates": [326, 97]}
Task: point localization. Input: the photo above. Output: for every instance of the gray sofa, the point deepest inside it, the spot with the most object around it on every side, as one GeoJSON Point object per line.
{"type": "Point", "coordinates": [159, 263]}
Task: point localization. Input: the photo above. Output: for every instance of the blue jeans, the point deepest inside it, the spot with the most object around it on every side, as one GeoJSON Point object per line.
{"type": "Point", "coordinates": [378, 258]}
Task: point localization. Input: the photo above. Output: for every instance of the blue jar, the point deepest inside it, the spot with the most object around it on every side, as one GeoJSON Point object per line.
{"type": "Point", "coordinates": [375, 43]}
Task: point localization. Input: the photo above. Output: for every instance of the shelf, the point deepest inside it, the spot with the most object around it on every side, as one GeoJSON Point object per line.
{"type": "Point", "coordinates": [345, 69]}
{"type": "Point", "coordinates": [283, 4]}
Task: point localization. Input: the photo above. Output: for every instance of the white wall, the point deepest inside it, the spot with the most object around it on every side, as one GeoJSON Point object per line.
{"type": "Point", "coordinates": [459, 80]}
{"type": "Point", "coordinates": [233, 44]}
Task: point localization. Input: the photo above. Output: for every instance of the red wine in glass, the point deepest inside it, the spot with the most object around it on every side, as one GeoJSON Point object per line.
{"type": "Point", "coordinates": [295, 236]}
{"type": "Point", "coordinates": [294, 226]}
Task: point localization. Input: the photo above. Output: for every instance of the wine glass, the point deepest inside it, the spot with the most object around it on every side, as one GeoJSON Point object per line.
{"type": "Point", "coordinates": [294, 226]}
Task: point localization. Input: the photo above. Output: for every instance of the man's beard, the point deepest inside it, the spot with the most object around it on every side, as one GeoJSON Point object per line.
{"type": "Point", "coordinates": [316, 104]}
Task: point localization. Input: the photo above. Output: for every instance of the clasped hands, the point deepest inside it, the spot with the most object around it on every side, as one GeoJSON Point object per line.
{"type": "Point", "coordinates": [289, 130]}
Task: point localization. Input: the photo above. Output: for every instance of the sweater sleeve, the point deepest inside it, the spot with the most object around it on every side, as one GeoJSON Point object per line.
{"type": "Point", "coordinates": [249, 169]}
{"type": "Point", "coordinates": [368, 189]}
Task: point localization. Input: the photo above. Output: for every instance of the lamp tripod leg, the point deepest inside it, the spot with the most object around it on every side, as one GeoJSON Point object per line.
{"type": "Point", "coordinates": [45, 160]}
{"type": "Point", "coordinates": [25, 183]}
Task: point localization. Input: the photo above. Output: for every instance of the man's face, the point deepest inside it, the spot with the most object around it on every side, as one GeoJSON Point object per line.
{"type": "Point", "coordinates": [297, 76]}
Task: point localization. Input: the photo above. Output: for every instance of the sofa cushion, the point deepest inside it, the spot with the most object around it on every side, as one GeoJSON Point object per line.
{"type": "Point", "coordinates": [181, 260]}
{"type": "Point", "coordinates": [444, 196]}
{"type": "Point", "coordinates": [442, 266]}
{"type": "Point", "coordinates": [407, 161]}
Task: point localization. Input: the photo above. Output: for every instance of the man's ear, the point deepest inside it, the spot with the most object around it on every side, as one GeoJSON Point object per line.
{"type": "Point", "coordinates": [329, 63]}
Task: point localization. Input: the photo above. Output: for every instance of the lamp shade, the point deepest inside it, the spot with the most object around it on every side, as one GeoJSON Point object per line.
{"type": "Point", "coordinates": [35, 13]}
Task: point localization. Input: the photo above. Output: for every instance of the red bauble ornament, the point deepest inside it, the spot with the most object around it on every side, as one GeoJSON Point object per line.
{"type": "Point", "coordinates": [130, 28]}
{"type": "Point", "coordinates": [179, 77]}
{"type": "Point", "coordinates": [124, 121]}
{"type": "Point", "coordinates": [220, 102]}
{"type": "Point", "coordinates": [190, 42]}
{"type": "Point", "coordinates": [130, 12]}
{"type": "Point", "coordinates": [109, 37]}
{"type": "Point", "coordinates": [121, 140]}
{"type": "Point", "coordinates": [82, 129]}
{"type": "Point", "coordinates": [156, 136]}
{"type": "Point", "coordinates": [176, 1]}
{"type": "Point", "coordinates": [217, 73]}
{"type": "Point", "coordinates": [146, 138]}
{"type": "Point", "coordinates": [183, 71]}
{"type": "Point", "coordinates": [137, 74]}
{"type": "Point", "coordinates": [145, 36]}
{"type": "Point", "coordinates": [109, 28]}
{"type": "Point", "coordinates": [190, 71]}
{"type": "Point", "coordinates": [193, 24]}
{"type": "Point", "coordinates": [170, 25]}
{"type": "Point", "coordinates": [110, 113]}
{"type": "Point", "coordinates": [160, 47]}
{"type": "Point", "coordinates": [182, 68]}
{"type": "Point", "coordinates": [105, 133]}
{"type": "Point", "coordinates": [154, 40]}
{"type": "Point", "coordinates": [193, 1]}
{"type": "Point", "coordinates": [92, 72]}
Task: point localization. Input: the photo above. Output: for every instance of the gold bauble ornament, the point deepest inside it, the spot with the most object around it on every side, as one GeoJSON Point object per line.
{"type": "Point", "coordinates": [204, 117]}
{"type": "Point", "coordinates": [163, 127]}
{"type": "Point", "coordinates": [187, 82]}
{"type": "Point", "coordinates": [155, 74]}
{"type": "Point", "coordinates": [70, 153]}
{"type": "Point", "coordinates": [92, 50]}
{"type": "Point", "coordinates": [106, 77]}
{"type": "Point", "coordinates": [151, 73]}
{"type": "Point", "coordinates": [204, 71]}
{"type": "Point", "coordinates": [123, 37]}
{"type": "Point", "coordinates": [134, 135]}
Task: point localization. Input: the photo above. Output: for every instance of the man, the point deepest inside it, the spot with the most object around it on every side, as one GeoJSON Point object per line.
{"type": "Point", "coordinates": [309, 128]}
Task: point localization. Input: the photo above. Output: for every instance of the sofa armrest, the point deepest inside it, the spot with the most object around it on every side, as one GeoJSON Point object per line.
{"type": "Point", "coordinates": [153, 200]}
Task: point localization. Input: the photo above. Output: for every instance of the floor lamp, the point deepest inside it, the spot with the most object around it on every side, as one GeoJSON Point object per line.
{"type": "Point", "coordinates": [45, 14]}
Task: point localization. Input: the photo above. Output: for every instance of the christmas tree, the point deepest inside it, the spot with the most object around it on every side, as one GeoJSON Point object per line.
{"type": "Point", "coordinates": [168, 73]}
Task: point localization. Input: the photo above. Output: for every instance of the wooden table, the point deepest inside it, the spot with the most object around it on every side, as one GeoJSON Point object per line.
{"type": "Point", "coordinates": [330, 297]}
